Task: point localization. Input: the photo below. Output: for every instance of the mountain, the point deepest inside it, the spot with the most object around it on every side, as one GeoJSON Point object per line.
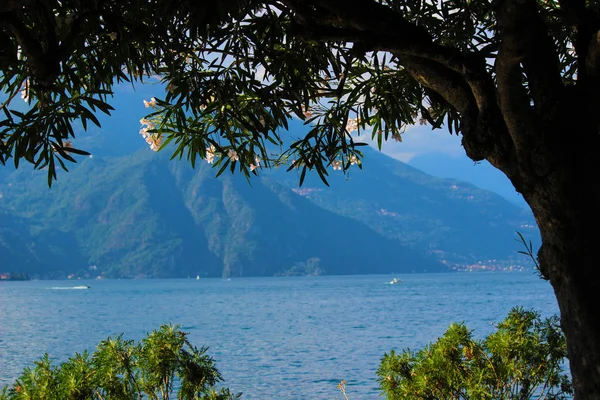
{"type": "Point", "coordinates": [456, 221]}
{"type": "Point", "coordinates": [482, 174]}
{"type": "Point", "coordinates": [14, 243]}
{"type": "Point", "coordinates": [144, 216]}
{"type": "Point", "coordinates": [133, 213]}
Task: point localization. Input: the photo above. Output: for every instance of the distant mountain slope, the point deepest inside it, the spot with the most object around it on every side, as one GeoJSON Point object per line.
{"type": "Point", "coordinates": [482, 175]}
{"type": "Point", "coordinates": [20, 247]}
{"type": "Point", "coordinates": [137, 215]}
{"type": "Point", "coordinates": [15, 242]}
{"type": "Point", "coordinates": [453, 219]}
{"type": "Point", "coordinates": [144, 216]}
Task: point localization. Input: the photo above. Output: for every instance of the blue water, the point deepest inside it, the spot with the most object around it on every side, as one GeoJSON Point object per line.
{"type": "Point", "coordinates": [272, 338]}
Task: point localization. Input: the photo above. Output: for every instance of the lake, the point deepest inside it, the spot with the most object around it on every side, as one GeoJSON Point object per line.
{"type": "Point", "coordinates": [272, 338]}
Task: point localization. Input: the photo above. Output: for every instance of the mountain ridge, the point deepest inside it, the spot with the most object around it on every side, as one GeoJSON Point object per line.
{"type": "Point", "coordinates": [218, 225]}
{"type": "Point", "coordinates": [163, 219]}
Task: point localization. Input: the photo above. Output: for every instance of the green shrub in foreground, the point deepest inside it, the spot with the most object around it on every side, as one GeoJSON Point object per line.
{"type": "Point", "coordinates": [520, 360]}
{"type": "Point", "coordinates": [163, 365]}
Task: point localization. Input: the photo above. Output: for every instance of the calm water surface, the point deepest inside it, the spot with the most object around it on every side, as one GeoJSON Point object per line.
{"type": "Point", "coordinates": [272, 338]}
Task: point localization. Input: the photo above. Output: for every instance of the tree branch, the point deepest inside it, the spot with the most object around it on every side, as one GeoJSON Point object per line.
{"type": "Point", "coordinates": [592, 62]}
{"type": "Point", "coordinates": [586, 25]}
{"type": "Point", "coordinates": [43, 67]}
{"type": "Point", "coordinates": [525, 41]}
{"type": "Point", "coordinates": [448, 84]}
{"type": "Point", "coordinates": [461, 79]}
{"type": "Point", "coordinates": [512, 95]}
{"type": "Point", "coordinates": [373, 22]}
{"type": "Point", "coordinates": [373, 35]}
{"type": "Point", "coordinates": [483, 130]}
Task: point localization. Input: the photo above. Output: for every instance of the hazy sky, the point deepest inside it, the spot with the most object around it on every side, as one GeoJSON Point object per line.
{"type": "Point", "coordinates": [422, 139]}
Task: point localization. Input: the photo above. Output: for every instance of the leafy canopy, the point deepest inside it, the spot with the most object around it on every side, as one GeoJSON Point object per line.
{"type": "Point", "coordinates": [236, 71]}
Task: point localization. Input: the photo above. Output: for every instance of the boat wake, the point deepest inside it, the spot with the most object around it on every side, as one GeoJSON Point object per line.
{"type": "Point", "coordinates": [69, 287]}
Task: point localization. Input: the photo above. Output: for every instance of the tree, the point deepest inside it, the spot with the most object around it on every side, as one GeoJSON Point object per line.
{"type": "Point", "coordinates": [518, 79]}
{"type": "Point", "coordinates": [520, 360]}
{"type": "Point", "coordinates": [162, 365]}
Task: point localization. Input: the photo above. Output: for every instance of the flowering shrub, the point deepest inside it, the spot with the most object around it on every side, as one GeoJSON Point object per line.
{"type": "Point", "coordinates": [163, 365]}
{"type": "Point", "coordinates": [521, 360]}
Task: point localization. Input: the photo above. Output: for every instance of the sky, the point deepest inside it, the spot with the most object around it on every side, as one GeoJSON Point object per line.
{"type": "Point", "coordinates": [421, 140]}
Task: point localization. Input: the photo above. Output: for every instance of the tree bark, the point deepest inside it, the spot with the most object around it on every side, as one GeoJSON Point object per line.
{"type": "Point", "coordinates": [577, 293]}
{"type": "Point", "coordinates": [569, 256]}
{"type": "Point", "coordinates": [564, 196]}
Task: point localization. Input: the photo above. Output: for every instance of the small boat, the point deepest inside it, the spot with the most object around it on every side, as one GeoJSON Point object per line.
{"type": "Point", "coordinates": [197, 277]}
{"type": "Point", "coordinates": [394, 281]}
{"type": "Point", "coordinates": [82, 287]}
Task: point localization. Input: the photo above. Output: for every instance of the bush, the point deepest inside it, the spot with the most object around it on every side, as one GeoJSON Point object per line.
{"type": "Point", "coordinates": [521, 360]}
{"type": "Point", "coordinates": [162, 363]}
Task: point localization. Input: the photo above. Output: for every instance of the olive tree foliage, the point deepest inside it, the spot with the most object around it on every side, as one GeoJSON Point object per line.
{"type": "Point", "coordinates": [236, 71]}
{"type": "Point", "coordinates": [162, 365]}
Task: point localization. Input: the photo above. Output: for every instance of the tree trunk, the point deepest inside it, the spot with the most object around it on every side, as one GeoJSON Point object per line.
{"type": "Point", "coordinates": [565, 199]}
{"type": "Point", "coordinates": [577, 295]}
{"type": "Point", "coordinates": [569, 258]}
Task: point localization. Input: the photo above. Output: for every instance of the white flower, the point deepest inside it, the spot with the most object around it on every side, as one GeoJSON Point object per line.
{"type": "Point", "coordinates": [148, 124]}
{"type": "Point", "coordinates": [352, 124]}
{"type": "Point", "coordinates": [353, 160]}
{"type": "Point", "coordinates": [113, 36]}
{"type": "Point", "coordinates": [207, 102]}
{"type": "Point", "coordinates": [210, 154]}
{"type": "Point", "coordinates": [151, 103]}
{"type": "Point", "coordinates": [257, 161]}
{"type": "Point", "coordinates": [337, 165]}
{"type": "Point", "coordinates": [155, 141]}
{"type": "Point", "coordinates": [253, 167]}
{"type": "Point", "coordinates": [25, 90]}
{"type": "Point", "coordinates": [149, 137]}
{"type": "Point", "coordinates": [233, 155]}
